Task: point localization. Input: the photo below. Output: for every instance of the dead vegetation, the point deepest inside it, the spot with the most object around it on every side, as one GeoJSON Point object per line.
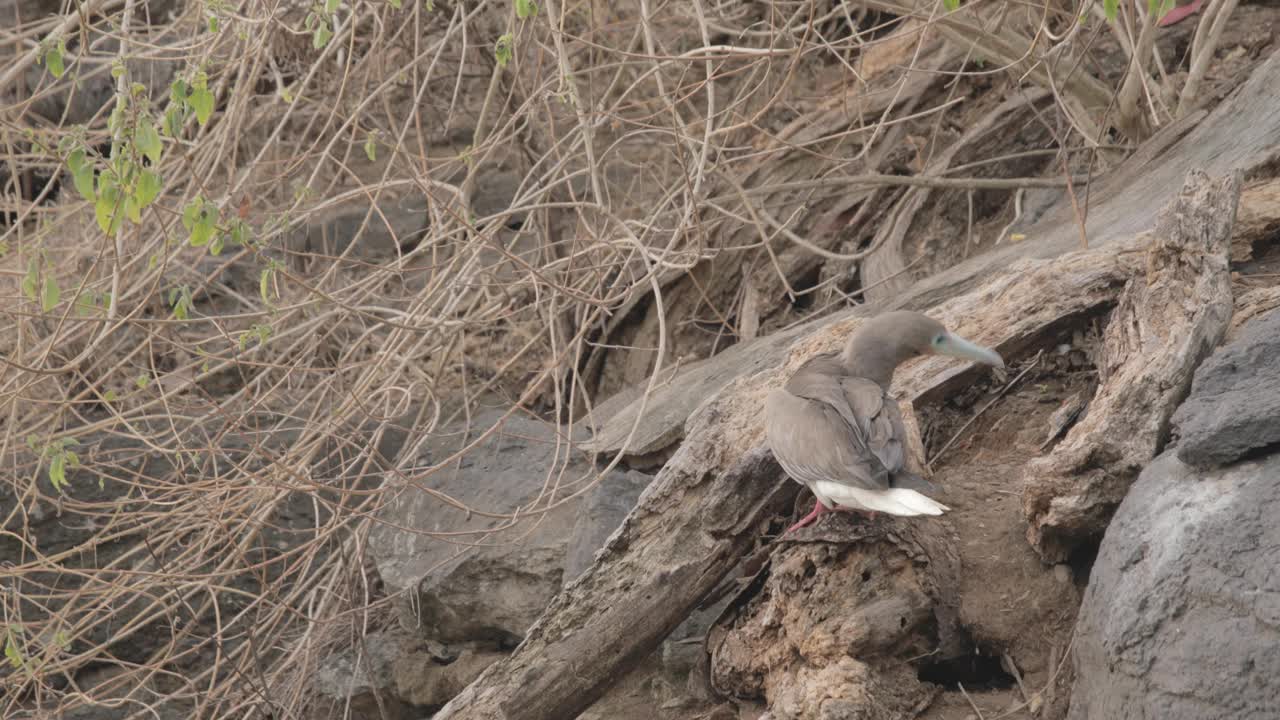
{"type": "Point", "coordinates": [432, 226]}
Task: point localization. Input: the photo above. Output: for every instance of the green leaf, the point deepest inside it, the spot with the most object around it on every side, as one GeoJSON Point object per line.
{"type": "Point", "coordinates": [82, 174]}
{"type": "Point", "coordinates": [330, 6]}
{"type": "Point", "coordinates": [31, 280]}
{"type": "Point", "coordinates": [191, 213]}
{"type": "Point", "coordinates": [12, 652]}
{"type": "Point", "coordinates": [50, 294]}
{"type": "Point", "coordinates": [201, 99]}
{"type": "Point", "coordinates": [173, 118]}
{"type": "Point", "coordinates": [108, 206]}
{"type": "Point", "coordinates": [397, 4]}
{"type": "Point", "coordinates": [216, 245]}
{"type": "Point", "coordinates": [200, 218]}
{"type": "Point", "coordinates": [200, 235]}
{"type": "Point", "coordinates": [109, 396]}
{"type": "Point", "coordinates": [321, 36]}
{"type": "Point", "coordinates": [148, 188]}
{"type": "Point", "coordinates": [502, 50]}
{"type": "Point", "coordinates": [526, 8]}
{"type": "Point", "coordinates": [117, 69]}
{"type": "Point", "coordinates": [264, 285]}
{"type": "Point", "coordinates": [84, 304]}
{"type": "Point", "coordinates": [213, 23]}
{"type": "Point", "coordinates": [58, 472]}
{"type": "Point", "coordinates": [142, 381]}
{"type": "Point", "coordinates": [951, 5]}
{"type": "Point", "coordinates": [147, 140]}
{"type": "Point", "coordinates": [1111, 8]}
{"type": "Point", "coordinates": [132, 209]}
{"type": "Point", "coordinates": [54, 58]}
{"type": "Point", "coordinates": [180, 299]}
{"type": "Point", "coordinates": [371, 147]}
{"type": "Point", "coordinates": [202, 103]}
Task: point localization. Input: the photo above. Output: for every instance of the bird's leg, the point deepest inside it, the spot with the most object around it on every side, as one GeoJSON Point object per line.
{"type": "Point", "coordinates": [818, 511]}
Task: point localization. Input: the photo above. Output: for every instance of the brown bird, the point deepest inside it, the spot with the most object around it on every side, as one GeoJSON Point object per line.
{"type": "Point", "coordinates": [834, 428]}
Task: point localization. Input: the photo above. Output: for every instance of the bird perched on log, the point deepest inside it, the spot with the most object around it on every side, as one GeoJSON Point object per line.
{"type": "Point", "coordinates": [834, 428]}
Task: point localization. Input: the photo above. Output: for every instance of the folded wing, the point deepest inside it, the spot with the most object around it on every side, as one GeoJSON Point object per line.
{"type": "Point", "coordinates": [835, 429]}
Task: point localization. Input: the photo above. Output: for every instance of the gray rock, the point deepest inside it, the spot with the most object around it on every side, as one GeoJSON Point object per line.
{"type": "Point", "coordinates": [491, 586]}
{"type": "Point", "coordinates": [21, 12]}
{"type": "Point", "coordinates": [371, 232]}
{"type": "Point", "coordinates": [358, 684]}
{"type": "Point", "coordinates": [1181, 620]}
{"type": "Point", "coordinates": [1234, 405]}
{"type": "Point", "coordinates": [390, 676]}
{"type": "Point", "coordinates": [601, 512]}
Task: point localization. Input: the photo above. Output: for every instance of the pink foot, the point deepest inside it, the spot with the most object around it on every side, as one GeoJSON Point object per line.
{"type": "Point", "coordinates": [1177, 14]}
{"type": "Point", "coordinates": [818, 511]}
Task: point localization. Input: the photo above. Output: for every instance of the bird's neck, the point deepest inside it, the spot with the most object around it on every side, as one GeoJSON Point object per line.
{"type": "Point", "coordinates": [872, 360]}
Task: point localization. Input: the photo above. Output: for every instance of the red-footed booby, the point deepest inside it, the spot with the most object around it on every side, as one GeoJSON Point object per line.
{"type": "Point", "coordinates": [834, 428]}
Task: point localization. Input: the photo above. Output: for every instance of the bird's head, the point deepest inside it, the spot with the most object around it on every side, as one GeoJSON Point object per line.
{"type": "Point", "coordinates": [887, 340]}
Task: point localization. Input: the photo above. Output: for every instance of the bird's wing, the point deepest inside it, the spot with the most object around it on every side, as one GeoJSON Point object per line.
{"type": "Point", "coordinates": [818, 432]}
{"type": "Point", "coordinates": [884, 432]}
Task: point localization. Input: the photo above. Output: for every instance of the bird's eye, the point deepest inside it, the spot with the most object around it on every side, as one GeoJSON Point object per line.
{"type": "Point", "coordinates": [939, 339]}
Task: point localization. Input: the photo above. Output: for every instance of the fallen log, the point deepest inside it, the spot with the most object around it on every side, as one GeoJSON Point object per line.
{"type": "Point", "coordinates": [715, 496]}
{"type": "Point", "coordinates": [713, 499]}
{"type": "Point", "coordinates": [1237, 135]}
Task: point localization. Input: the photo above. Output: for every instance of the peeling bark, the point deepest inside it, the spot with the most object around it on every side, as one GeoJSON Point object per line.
{"type": "Point", "coordinates": [1168, 319]}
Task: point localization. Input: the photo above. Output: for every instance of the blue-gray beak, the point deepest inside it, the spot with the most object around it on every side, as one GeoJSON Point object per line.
{"type": "Point", "coordinates": [956, 346]}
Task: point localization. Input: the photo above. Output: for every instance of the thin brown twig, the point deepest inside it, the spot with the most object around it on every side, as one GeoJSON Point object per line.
{"type": "Point", "coordinates": [972, 704]}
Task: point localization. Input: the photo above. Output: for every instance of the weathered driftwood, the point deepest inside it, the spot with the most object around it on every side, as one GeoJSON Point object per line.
{"type": "Point", "coordinates": [828, 622]}
{"type": "Point", "coordinates": [1239, 134]}
{"type": "Point", "coordinates": [1251, 304]}
{"type": "Point", "coordinates": [1169, 318]}
{"type": "Point", "coordinates": [1257, 218]}
{"type": "Point", "coordinates": [707, 506]}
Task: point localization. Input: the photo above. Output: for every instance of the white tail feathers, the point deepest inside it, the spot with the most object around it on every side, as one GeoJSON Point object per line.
{"type": "Point", "coordinates": [894, 501]}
